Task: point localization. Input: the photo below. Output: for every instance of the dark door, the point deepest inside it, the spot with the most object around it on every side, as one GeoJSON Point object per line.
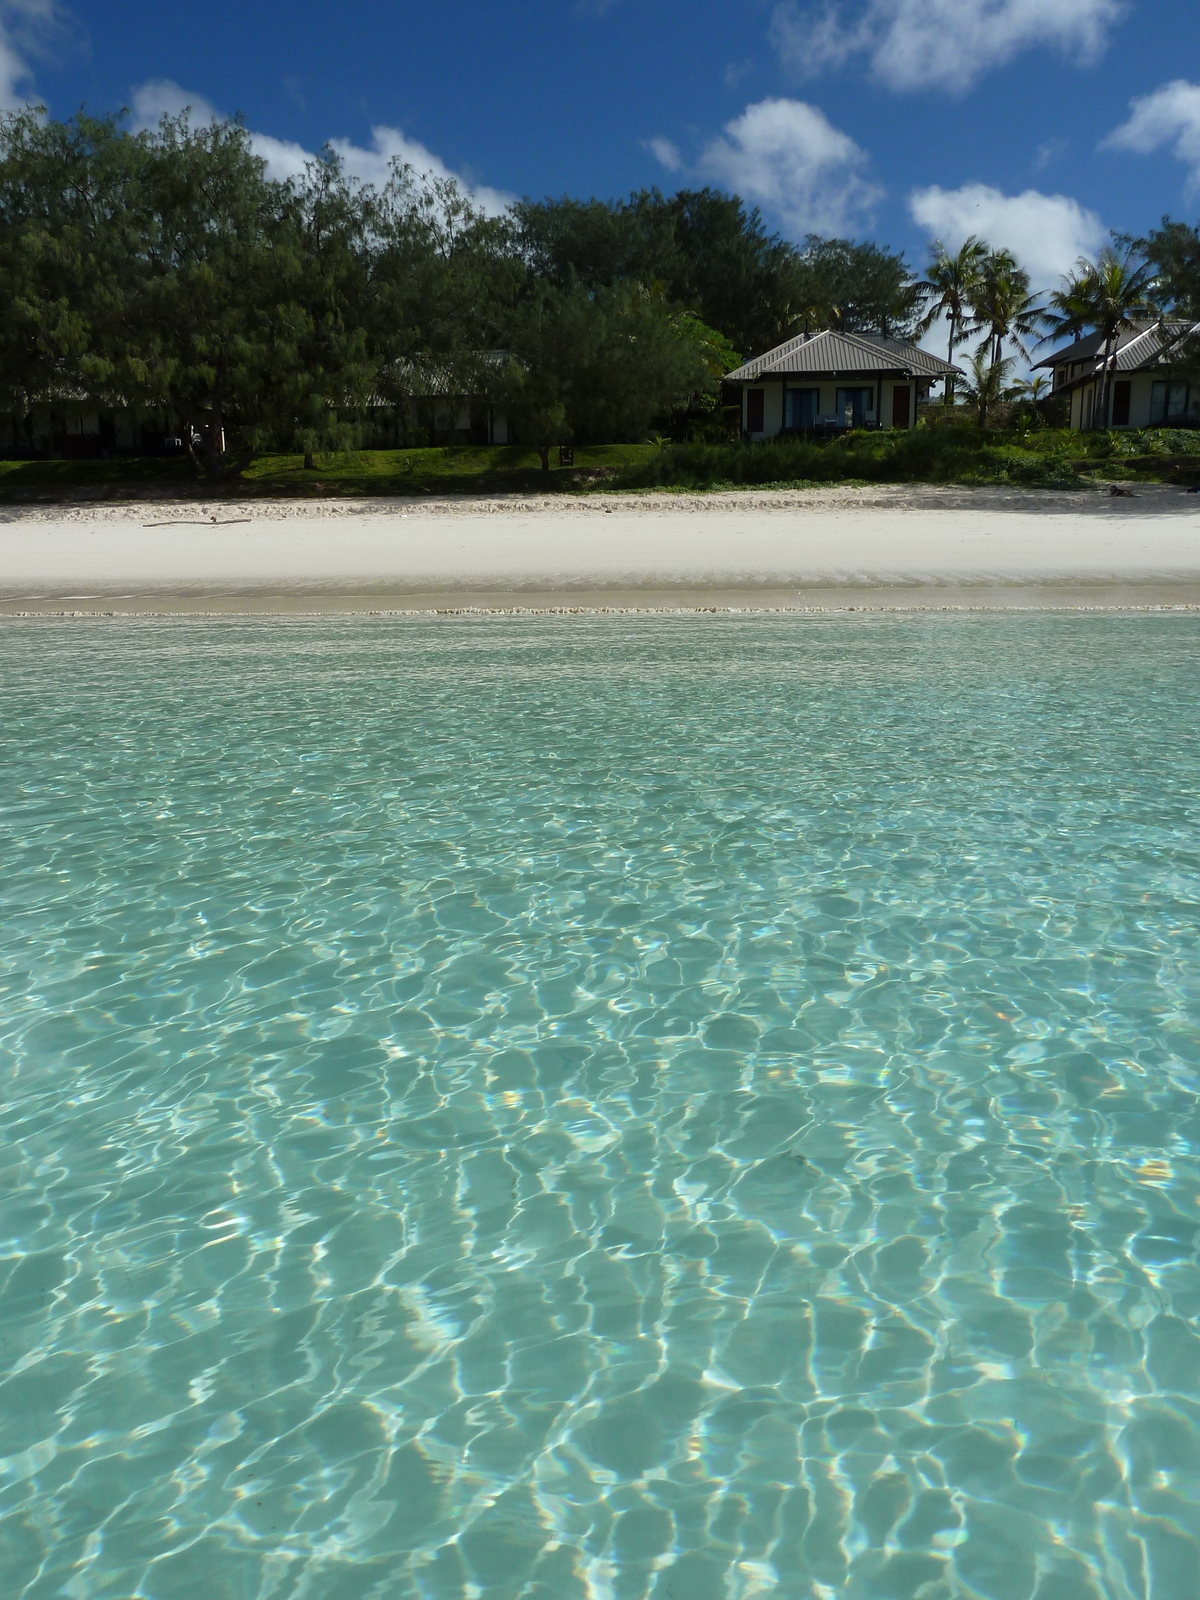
{"type": "Point", "coordinates": [1121, 391]}
{"type": "Point", "coordinates": [900, 406]}
{"type": "Point", "coordinates": [754, 411]}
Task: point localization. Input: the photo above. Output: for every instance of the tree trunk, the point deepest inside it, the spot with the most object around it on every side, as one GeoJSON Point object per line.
{"type": "Point", "coordinates": [215, 440]}
{"type": "Point", "coordinates": [543, 451]}
{"type": "Point", "coordinates": [948, 397]}
{"type": "Point", "coordinates": [1109, 355]}
{"type": "Point", "coordinates": [309, 465]}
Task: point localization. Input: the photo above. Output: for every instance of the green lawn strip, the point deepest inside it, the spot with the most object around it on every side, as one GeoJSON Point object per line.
{"type": "Point", "coordinates": [949, 453]}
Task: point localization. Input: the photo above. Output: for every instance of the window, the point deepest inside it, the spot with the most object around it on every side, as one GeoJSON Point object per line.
{"type": "Point", "coordinates": [853, 406]}
{"type": "Point", "coordinates": [754, 410]}
{"type": "Point", "coordinates": [1168, 403]}
{"type": "Point", "coordinates": [1120, 403]}
{"type": "Point", "coordinates": [803, 405]}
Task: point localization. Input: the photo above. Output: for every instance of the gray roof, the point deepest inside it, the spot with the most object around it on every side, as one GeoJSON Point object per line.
{"type": "Point", "coordinates": [1158, 345]}
{"type": "Point", "coordinates": [430, 378]}
{"type": "Point", "coordinates": [1087, 346]}
{"type": "Point", "coordinates": [833, 352]}
{"type": "Point", "coordinates": [1149, 344]}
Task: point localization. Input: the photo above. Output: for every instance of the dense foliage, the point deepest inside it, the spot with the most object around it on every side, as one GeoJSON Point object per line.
{"type": "Point", "coordinates": [945, 447]}
{"type": "Point", "coordinates": [165, 274]}
{"type": "Point", "coordinates": [1174, 250]}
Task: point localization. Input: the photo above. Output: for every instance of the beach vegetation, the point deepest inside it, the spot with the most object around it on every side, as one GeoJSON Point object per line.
{"type": "Point", "coordinates": [945, 448]}
{"type": "Point", "coordinates": [162, 276]}
{"type": "Point", "coordinates": [986, 385]}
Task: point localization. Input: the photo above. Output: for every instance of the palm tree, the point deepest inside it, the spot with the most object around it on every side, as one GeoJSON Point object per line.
{"type": "Point", "coordinates": [1110, 295]}
{"type": "Point", "coordinates": [985, 387]}
{"type": "Point", "coordinates": [1069, 311]}
{"type": "Point", "coordinates": [948, 290]}
{"type": "Point", "coordinates": [1031, 389]}
{"type": "Point", "coordinates": [1003, 306]}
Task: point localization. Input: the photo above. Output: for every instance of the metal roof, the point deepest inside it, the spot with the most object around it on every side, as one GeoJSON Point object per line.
{"type": "Point", "coordinates": [1148, 344]}
{"type": "Point", "coordinates": [1156, 346]}
{"type": "Point", "coordinates": [833, 352]}
{"type": "Point", "coordinates": [430, 378]}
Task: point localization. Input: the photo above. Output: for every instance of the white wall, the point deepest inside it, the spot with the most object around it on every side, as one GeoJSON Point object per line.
{"type": "Point", "coordinates": [773, 398]}
{"type": "Point", "coordinates": [1140, 394]}
{"type": "Point", "coordinates": [887, 407]}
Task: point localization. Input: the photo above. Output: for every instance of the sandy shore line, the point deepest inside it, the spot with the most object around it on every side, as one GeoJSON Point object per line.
{"type": "Point", "coordinates": [797, 550]}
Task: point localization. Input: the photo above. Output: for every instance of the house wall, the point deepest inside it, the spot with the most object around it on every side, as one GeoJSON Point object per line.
{"type": "Point", "coordinates": [1140, 395]}
{"type": "Point", "coordinates": [888, 407]}
{"type": "Point", "coordinates": [774, 391]}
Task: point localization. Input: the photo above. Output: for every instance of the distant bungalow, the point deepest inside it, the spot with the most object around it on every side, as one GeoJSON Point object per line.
{"type": "Point", "coordinates": [1155, 384]}
{"type": "Point", "coordinates": [827, 382]}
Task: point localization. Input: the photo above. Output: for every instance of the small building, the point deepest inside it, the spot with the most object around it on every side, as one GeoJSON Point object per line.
{"type": "Point", "coordinates": [437, 402]}
{"type": "Point", "coordinates": [1155, 378]}
{"type": "Point", "coordinates": [827, 382]}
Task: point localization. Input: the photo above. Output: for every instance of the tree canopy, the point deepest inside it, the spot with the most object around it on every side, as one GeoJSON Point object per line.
{"type": "Point", "coordinates": [166, 273]}
{"type": "Point", "coordinates": [1174, 251]}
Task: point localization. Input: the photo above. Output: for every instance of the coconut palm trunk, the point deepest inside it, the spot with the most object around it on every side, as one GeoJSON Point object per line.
{"type": "Point", "coordinates": [948, 394]}
{"type": "Point", "coordinates": [1110, 356]}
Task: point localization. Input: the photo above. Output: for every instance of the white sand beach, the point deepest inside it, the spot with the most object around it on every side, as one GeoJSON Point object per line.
{"type": "Point", "coordinates": [803, 550]}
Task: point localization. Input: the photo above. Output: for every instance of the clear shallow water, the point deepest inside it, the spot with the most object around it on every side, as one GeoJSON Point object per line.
{"type": "Point", "coordinates": [664, 1107]}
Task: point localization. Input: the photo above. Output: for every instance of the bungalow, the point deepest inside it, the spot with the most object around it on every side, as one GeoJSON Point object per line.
{"type": "Point", "coordinates": [829, 381]}
{"type": "Point", "coordinates": [1155, 381]}
{"type": "Point", "coordinates": [443, 403]}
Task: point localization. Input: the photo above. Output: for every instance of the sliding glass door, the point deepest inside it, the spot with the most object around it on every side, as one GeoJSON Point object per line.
{"type": "Point", "coordinates": [803, 408]}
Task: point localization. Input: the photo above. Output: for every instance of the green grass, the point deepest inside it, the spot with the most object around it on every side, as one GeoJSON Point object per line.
{"type": "Point", "coordinates": [946, 452]}
{"type": "Point", "coordinates": [455, 469]}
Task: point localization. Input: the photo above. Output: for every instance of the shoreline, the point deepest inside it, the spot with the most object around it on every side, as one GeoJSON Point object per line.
{"type": "Point", "coordinates": [803, 551]}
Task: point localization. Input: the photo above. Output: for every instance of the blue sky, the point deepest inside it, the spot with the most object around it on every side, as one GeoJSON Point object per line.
{"type": "Point", "coordinates": [1041, 123]}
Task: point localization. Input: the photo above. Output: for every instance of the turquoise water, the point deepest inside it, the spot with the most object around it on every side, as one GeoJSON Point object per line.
{"type": "Point", "coordinates": [666, 1107]}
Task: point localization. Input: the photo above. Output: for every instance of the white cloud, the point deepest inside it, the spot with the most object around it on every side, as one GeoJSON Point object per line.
{"type": "Point", "coordinates": [286, 159]}
{"type": "Point", "coordinates": [666, 153]}
{"type": "Point", "coordinates": [26, 27]}
{"type": "Point", "coordinates": [914, 44]}
{"type": "Point", "coordinates": [787, 156]}
{"type": "Point", "coordinates": [1046, 232]}
{"type": "Point", "coordinates": [388, 144]}
{"type": "Point", "coordinates": [1168, 117]}
{"type": "Point", "coordinates": [161, 97]}
{"type": "Point", "coordinates": [13, 72]}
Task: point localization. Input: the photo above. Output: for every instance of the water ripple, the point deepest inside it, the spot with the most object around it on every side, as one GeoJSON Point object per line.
{"type": "Point", "coordinates": [651, 1108]}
